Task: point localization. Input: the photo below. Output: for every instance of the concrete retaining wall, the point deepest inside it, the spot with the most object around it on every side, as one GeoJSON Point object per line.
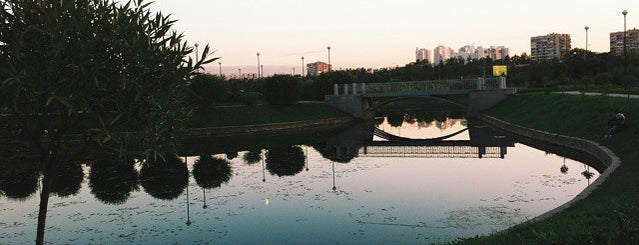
{"type": "Point", "coordinates": [601, 153]}
{"type": "Point", "coordinates": [479, 100]}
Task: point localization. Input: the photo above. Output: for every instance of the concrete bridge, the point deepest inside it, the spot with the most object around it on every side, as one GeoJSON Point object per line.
{"type": "Point", "coordinates": [357, 98]}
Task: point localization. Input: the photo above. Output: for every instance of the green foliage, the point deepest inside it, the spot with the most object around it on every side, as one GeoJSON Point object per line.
{"type": "Point", "coordinates": [603, 78]}
{"type": "Point", "coordinates": [324, 83]}
{"type": "Point", "coordinates": [249, 98]}
{"type": "Point", "coordinates": [118, 64]}
{"type": "Point", "coordinates": [281, 90]}
{"type": "Point", "coordinates": [206, 89]}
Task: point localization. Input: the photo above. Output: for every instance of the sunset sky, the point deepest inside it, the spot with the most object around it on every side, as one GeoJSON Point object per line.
{"type": "Point", "coordinates": [375, 33]}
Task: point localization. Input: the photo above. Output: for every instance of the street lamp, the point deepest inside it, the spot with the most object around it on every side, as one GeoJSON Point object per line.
{"type": "Point", "coordinates": [293, 71]}
{"type": "Point", "coordinates": [302, 66]}
{"type": "Point", "coordinates": [258, 64]}
{"type": "Point", "coordinates": [220, 63]}
{"type": "Point", "coordinates": [262, 70]}
{"type": "Point", "coordinates": [196, 53]}
{"type": "Point", "coordinates": [625, 57]}
{"type": "Point", "coordinates": [586, 28]}
{"type": "Point", "coordinates": [329, 58]}
{"type": "Point", "coordinates": [239, 70]}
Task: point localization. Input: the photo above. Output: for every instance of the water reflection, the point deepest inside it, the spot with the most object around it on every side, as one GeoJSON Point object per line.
{"type": "Point", "coordinates": [67, 179]}
{"type": "Point", "coordinates": [164, 179]}
{"type": "Point", "coordinates": [211, 172]}
{"type": "Point", "coordinates": [19, 178]}
{"type": "Point", "coordinates": [112, 181]}
{"type": "Point", "coordinates": [387, 193]}
{"type": "Point", "coordinates": [252, 157]}
{"type": "Point", "coordinates": [285, 161]}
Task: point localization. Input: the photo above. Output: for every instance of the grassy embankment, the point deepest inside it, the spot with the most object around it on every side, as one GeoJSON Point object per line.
{"type": "Point", "coordinates": [261, 114]}
{"type": "Point", "coordinates": [610, 214]}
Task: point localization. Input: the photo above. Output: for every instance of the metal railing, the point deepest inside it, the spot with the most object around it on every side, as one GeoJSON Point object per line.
{"type": "Point", "coordinates": [420, 86]}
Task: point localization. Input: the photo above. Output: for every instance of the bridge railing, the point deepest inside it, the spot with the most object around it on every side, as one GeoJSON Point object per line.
{"type": "Point", "coordinates": [421, 86]}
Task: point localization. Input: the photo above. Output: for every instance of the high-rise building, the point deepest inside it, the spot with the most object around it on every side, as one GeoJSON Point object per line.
{"type": "Point", "coordinates": [496, 52]}
{"type": "Point", "coordinates": [550, 46]}
{"type": "Point", "coordinates": [442, 54]}
{"type": "Point", "coordinates": [314, 69]}
{"type": "Point", "coordinates": [467, 52]}
{"type": "Point", "coordinates": [632, 42]}
{"type": "Point", "coordinates": [422, 55]}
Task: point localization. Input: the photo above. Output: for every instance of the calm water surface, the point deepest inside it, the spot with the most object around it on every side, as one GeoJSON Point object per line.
{"type": "Point", "coordinates": [333, 191]}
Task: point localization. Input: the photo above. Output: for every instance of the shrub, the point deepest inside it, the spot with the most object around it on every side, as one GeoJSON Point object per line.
{"type": "Point", "coordinates": [206, 89]}
{"type": "Point", "coordinates": [249, 98]}
{"type": "Point", "coordinates": [603, 78]}
{"type": "Point", "coordinates": [281, 90]}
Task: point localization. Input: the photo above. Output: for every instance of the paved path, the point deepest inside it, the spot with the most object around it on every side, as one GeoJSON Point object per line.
{"type": "Point", "coordinates": [630, 96]}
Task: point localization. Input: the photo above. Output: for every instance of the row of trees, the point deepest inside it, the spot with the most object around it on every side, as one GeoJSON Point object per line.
{"type": "Point", "coordinates": [578, 67]}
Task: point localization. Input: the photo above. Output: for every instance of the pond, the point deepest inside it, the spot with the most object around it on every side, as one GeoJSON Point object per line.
{"type": "Point", "coordinates": [406, 178]}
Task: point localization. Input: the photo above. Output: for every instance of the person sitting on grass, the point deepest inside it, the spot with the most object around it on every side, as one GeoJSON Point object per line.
{"type": "Point", "coordinates": [615, 124]}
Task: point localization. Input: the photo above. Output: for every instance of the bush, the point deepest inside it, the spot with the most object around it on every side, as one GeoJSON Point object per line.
{"type": "Point", "coordinates": [249, 98]}
{"type": "Point", "coordinates": [603, 78]}
{"type": "Point", "coordinates": [281, 90]}
{"type": "Point", "coordinates": [206, 89]}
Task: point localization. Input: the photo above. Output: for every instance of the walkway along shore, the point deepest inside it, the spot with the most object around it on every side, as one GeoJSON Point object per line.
{"type": "Point", "coordinates": [227, 130]}
{"type": "Point", "coordinates": [601, 153]}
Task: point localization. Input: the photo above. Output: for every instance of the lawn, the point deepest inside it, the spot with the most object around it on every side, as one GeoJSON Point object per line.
{"type": "Point", "coordinates": [610, 215]}
{"type": "Point", "coordinates": [261, 114]}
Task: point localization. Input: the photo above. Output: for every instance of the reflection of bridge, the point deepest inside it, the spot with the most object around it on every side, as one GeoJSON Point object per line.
{"type": "Point", "coordinates": [484, 142]}
{"type": "Point", "coordinates": [356, 99]}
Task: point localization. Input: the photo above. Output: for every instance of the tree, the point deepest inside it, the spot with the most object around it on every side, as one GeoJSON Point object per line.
{"type": "Point", "coordinates": [282, 90]}
{"type": "Point", "coordinates": [99, 64]}
{"type": "Point", "coordinates": [68, 66]}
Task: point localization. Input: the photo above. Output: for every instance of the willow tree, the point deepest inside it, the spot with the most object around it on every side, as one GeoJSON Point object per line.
{"type": "Point", "coordinates": [68, 66]}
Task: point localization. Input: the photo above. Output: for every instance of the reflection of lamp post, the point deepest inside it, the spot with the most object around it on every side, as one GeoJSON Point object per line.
{"type": "Point", "coordinates": [263, 168]}
{"type": "Point", "coordinates": [188, 211]}
{"type": "Point", "coordinates": [258, 64]}
{"type": "Point", "coordinates": [302, 66]}
{"type": "Point", "coordinates": [204, 194]}
{"type": "Point", "coordinates": [329, 58]}
{"type": "Point", "coordinates": [586, 28]}
{"type": "Point", "coordinates": [334, 188]}
{"type": "Point", "coordinates": [306, 148]}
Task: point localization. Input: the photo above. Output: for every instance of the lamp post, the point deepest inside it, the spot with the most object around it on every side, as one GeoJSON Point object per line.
{"type": "Point", "coordinates": [302, 66]}
{"type": "Point", "coordinates": [293, 71]}
{"type": "Point", "coordinates": [262, 70]}
{"type": "Point", "coordinates": [239, 70]}
{"type": "Point", "coordinates": [586, 28]}
{"type": "Point", "coordinates": [196, 53]}
{"type": "Point", "coordinates": [625, 57]}
{"type": "Point", "coordinates": [258, 64]}
{"type": "Point", "coordinates": [329, 58]}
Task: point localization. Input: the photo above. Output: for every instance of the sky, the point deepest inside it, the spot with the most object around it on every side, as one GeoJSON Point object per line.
{"type": "Point", "coordinates": [381, 33]}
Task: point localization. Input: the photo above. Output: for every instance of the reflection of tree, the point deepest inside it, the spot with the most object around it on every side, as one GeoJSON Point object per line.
{"type": "Point", "coordinates": [379, 121]}
{"type": "Point", "coordinates": [18, 180]}
{"type": "Point", "coordinates": [395, 119]}
{"type": "Point", "coordinates": [112, 182]}
{"type": "Point", "coordinates": [252, 157]}
{"type": "Point", "coordinates": [286, 161]}
{"type": "Point", "coordinates": [211, 172]}
{"type": "Point", "coordinates": [67, 179]}
{"type": "Point", "coordinates": [336, 154]}
{"type": "Point", "coordinates": [230, 155]}
{"type": "Point", "coordinates": [164, 179]}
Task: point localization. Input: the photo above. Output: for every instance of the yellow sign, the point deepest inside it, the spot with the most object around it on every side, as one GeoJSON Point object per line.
{"type": "Point", "coordinates": [500, 71]}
